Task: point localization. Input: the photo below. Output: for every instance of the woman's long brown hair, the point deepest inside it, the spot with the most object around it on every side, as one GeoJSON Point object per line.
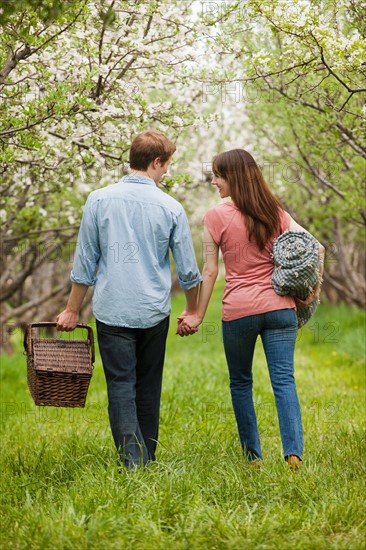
{"type": "Point", "coordinates": [250, 193]}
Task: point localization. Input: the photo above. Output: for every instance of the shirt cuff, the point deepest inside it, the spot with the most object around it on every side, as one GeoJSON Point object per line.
{"type": "Point", "coordinates": [187, 285]}
{"type": "Point", "coordinates": [82, 280]}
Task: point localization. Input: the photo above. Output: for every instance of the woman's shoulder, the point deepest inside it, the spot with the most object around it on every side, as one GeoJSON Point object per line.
{"type": "Point", "coordinates": [219, 216]}
{"type": "Point", "coordinates": [285, 220]}
{"type": "Point", "coordinates": [222, 208]}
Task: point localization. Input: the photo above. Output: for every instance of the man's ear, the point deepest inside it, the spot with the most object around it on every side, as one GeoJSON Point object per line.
{"type": "Point", "coordinates": [156, 162]}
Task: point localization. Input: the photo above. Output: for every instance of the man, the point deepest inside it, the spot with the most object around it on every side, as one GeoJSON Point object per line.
{"type": "Point", "coordinates": [123, 247]}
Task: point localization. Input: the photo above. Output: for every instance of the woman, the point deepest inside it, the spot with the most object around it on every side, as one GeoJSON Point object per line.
{"type": "Point", "coordinates": [244, 230]}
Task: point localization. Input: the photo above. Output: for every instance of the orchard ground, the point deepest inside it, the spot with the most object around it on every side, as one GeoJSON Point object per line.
{"type": "Point", "coordinates": [62, 487]}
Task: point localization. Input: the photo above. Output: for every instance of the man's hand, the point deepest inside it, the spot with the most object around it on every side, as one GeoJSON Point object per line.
{"type": "Point", "coordinates": [188, 324]}
{"type": "Point", "coordinates": [67, 320]}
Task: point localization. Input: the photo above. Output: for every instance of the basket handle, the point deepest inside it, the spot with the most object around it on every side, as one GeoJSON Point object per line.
{"type": "Point", "coordinates": [28, 335]}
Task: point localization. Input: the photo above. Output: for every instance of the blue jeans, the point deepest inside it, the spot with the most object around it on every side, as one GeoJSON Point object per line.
{"type": "Point", "coordinates": [133, 361]}
{"type": "Point", "coordinates": [278, 330]}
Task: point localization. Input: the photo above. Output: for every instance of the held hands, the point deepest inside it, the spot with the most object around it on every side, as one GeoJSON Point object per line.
{"type": "Point", "coordinates": [188, 323]}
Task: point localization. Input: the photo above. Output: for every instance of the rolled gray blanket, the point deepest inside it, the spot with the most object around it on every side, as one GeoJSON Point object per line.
{"type": "Point", "coordinates": [296, 272]}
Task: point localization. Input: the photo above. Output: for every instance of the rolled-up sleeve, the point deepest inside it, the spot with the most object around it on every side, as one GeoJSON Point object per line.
{"type": "Point", "coordinates": [87, 251]}
{"type": "Point", "coordinates": [183, 253]}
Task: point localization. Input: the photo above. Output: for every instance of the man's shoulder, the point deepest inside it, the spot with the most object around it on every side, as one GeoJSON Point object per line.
{"type": "Point", "coordinates": [170, 202]}
{"type": "Point", "coordinates": [101, 193]}
{"type": "Point", "coordinates": [147, 195]}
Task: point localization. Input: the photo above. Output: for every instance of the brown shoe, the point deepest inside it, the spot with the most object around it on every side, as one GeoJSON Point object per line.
{"type": "Point", "coordinates": [294, 462]}
{"type": "Point", "coordinates": [256, 464]}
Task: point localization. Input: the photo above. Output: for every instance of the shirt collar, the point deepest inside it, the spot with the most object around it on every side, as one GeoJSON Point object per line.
{"type": "Point", "coordinates": [138, 179]}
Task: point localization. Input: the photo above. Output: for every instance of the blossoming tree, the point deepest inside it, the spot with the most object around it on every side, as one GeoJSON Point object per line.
{"type": "Point", "coordinates": [76, 84]}
{"type": "Point", "coordinates": [79, 79]}
{"type": "Point", "coordinates": [294, 71]}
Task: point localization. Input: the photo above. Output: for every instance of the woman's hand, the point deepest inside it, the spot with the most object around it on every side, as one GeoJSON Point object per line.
{"type": "Point", "coordinates": [189, 321]}
{"type": "Point", "coordinates": [309, 300]}
{"type": "Point", "coordinates": [312, 296]}
{"type": "Point", "coordinates": [188, 324]}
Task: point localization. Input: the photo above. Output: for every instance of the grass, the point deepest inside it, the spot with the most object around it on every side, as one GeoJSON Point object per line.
{"type": "Point", "coordinates": [63, 489]}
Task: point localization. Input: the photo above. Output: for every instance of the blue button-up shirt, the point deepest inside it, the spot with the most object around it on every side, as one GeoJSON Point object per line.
{"type": "Point", "coordinates": [123, 247]}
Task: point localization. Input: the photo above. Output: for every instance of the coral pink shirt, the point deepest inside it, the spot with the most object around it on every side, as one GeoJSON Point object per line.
{"type": "Point", "coordinates": [248, 289]}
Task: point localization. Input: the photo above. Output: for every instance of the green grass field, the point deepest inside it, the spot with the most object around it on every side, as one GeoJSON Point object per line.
{"type": "Point", "coordinates": [62, 487]}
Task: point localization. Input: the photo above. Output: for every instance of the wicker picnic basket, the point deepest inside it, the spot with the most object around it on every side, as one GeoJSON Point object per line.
{"type": "Point", "coordinates": [58, 370]}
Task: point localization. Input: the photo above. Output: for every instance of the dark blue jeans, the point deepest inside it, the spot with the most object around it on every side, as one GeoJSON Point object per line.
{"type": "Point", "coordinates": [278, 330]}
{"type": "Point", "coordinates": [133, 361]}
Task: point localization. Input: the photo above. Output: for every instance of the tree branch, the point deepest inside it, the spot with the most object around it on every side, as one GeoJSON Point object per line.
{"type": "Point", "coordinates": [27, 126]}
{"type": "Point", "coordinates": [321, 50]}
{"type": "Point", "coordinates": [13, 60]}
{"type": "Point", "coordinates": [20, 310]}
{"type": "Point", "coordinates": [32, 257]}
{"type": "Point", "coordinates": [84, 146]}
{"type": "Point", "coordinates": [311, 169]}
{"type": "Point", "coordinates": [349, 138]}
{"type": "Point", "coordinates": [39, 232]}
{"type": "Point", "coordinates": [26, 51]}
